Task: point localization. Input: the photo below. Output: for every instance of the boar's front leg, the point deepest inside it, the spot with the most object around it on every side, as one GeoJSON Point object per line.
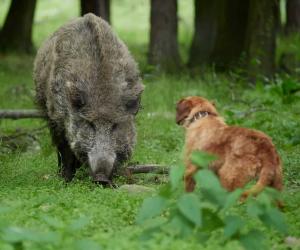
{"type": "Point", "coordinates": [67, 161]}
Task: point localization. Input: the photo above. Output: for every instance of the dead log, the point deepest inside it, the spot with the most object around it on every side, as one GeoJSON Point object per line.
{"type": "Point", "coordinates": [20, 113]}
{"type": "Point", "coordinates": [144, 169]}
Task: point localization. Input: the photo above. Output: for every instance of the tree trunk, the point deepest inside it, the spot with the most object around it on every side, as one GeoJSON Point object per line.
{"type": "Point", "coordinates": [205, 32]}
{"type": "Point", "coordinates": [98, 7]}
{"type": "Point", "coordinates": [232, 18]}
{"type": "Point", "coordinates": [16, 33]}
{"type": "Point", "coordinates": [292, 16]}
{"type": "Point", "coordinates": [220, 28]}
{"type": "Point", "coordinates": [261, 37]}
{"type": "Point", "coordinates": [163, 51]}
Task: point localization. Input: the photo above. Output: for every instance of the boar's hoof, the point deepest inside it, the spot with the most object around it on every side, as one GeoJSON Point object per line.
{"type": "Point", "coordinates": [104, 181]}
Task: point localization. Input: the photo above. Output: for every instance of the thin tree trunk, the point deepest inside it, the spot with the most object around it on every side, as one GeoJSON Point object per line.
{"type": "Point", "coordinates": [163, 51]}
{"type": "Point", "coordinates": [205, 32]}
{"type": "Point", "coordinates": [293, 16]}
{"type": "Point", "coordinates": [98, 7]}
{"type": "Point", "coordinates": [232, 18]}
{"type": "Point", "coordinates": [261, 37]}
{"type": "Point", "coordinates": [220, 28]}
{"type": "Point", "coordinates": [16, 33]}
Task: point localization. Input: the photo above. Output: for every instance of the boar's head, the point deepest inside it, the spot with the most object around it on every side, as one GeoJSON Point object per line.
{"type": "Point", "coordinates": [100, 122]}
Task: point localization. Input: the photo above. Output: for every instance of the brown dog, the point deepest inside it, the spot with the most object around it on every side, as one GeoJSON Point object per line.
{"type": "Point", "coordinates": [243, 154]}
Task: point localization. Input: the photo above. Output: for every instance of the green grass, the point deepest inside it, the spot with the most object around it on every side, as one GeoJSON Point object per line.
{"type": "Point", "coordinates": [30, 188]}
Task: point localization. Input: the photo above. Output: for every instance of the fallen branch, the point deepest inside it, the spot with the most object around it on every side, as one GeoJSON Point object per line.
{"type": "Point", "coordinates": [20, 114]}
{"type": "Point", "coordinates": [144, 169]}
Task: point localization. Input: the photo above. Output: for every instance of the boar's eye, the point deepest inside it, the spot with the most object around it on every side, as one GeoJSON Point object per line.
{"type": "Point", "coordinates": [76, 96]}
{"type": "Point", "coordinates": [114, 127]}
{"type": "Point", "coordinates": [78, 101]}
{"type": "Point", "coordinates": [132, 106]}
{"type": "Point", "coordinates": [91, 125]}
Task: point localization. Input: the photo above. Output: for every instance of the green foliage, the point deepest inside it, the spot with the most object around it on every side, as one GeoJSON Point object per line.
{"type": "Point", "coordinates": [31, 189]}
{"type": "Point", "coordinates": [202, 159]}
{"type": "Point", "coordinates": [18, 237]}
{"type": "Point", "coordinates": [208, 209]}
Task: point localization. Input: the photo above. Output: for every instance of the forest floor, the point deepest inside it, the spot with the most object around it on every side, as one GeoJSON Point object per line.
{"type": "Point", "coordinates": [35, 198]}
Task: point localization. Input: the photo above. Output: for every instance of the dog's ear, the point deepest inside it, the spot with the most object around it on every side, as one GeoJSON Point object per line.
{"type": "Point", "coordinates": [183, 109]}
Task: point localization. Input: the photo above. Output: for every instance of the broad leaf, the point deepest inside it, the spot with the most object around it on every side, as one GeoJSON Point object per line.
{"type": "Point", "coordinates": [233, 224]}
{"type": "Point", "coordinates": [176, 176]}
{"type": "Point", "coordinates": [253, 240]}
{"type": "Point", "coordinates": [151, 207]}
{"type": "Point", "coordinates": [202, 159]}
{"type": "Point", "coordinates": [232, 198]}
{"type": "Point", "coordinates": [254, 209]}
{"type": "Point", "coordinates": [210, 187]}
{"type": "Point", "coordinates": [180, 226]}
{"type": "Point", "coordinates": [264, 200]}
{"type": "Point", "coordinates": [274, 218]}
{"type": "Point", "coordinates": [152, 226]}
{"type": "Point", "coordinates": [166, 191]}
{"type": "Point", "coordinates": [189, 206]}
{"type": "Point", "coordinates": [211, 220]}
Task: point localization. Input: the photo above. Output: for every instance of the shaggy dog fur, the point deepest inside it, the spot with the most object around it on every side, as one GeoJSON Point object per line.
{"type": "Point", "coordinates": [243, 154]}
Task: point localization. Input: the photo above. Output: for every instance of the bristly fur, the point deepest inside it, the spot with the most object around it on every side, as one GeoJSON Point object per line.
{"type": "Point", "coordinates": [243, 154]}
{"type": "Point", "coordinates": [88, 85]}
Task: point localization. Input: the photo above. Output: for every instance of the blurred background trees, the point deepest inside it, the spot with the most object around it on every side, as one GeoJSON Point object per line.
{"type": "Point", "coordinates": [16, 31]}
{"type": "Point", "coordinates": [293, 16]}
{"type": "Point", "coordinates": [98, 7]}
{"type": "Point", "coordinates": [163, 49]}
{"type": "Point", "coordinates": [219, 34]}
{"type": "Point", "coordinates": [227, 34]}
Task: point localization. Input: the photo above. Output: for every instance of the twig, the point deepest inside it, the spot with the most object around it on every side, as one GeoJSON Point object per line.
{"type": "Point", "coordinates": [20, 114]}
{"type": "Point", "coordinates": [143, 169]}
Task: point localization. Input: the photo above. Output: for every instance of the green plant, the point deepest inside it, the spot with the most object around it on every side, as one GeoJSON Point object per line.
{"type": "Point", "coordinates": [209, 209]}
{"type": "Point", "coordinates": [17, 237]}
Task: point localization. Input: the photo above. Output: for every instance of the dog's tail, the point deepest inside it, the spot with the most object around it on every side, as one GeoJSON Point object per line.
{"type": "Point", "coordinates": [270, 175]}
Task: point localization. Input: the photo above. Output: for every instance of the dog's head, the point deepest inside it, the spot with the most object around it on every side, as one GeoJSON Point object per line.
{"type": "Point", "coordinates": [187, 107]}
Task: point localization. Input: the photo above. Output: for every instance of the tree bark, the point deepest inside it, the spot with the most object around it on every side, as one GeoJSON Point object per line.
{"type": "Point", "coordinates": [220, 28]}
{"type": "Point", "coordinates": [163, 49]}
{"type": "Point", "coordinates": [261, 38]}
{"type": "Point", "coordinates": [16, 33]}
{"type": "Point", "coordinates": [232, 18]}
{"type": "Point", "coordinates": [205, 32]}
{"type": "Point", "coordinates": [98, 7]}
{"type": "Point", "coordinates": [293, 16]}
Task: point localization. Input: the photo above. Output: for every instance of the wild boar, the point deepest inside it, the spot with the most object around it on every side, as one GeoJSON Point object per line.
{"type": "Point", "coordinates": [89, 87]}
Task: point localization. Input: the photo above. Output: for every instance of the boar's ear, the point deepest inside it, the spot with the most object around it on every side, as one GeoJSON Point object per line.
{"type": "Point", "coordinates": [75, 96]}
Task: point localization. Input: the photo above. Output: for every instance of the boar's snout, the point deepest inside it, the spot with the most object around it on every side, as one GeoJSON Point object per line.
{"type": "Point", "coordinates": [102, 166]}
